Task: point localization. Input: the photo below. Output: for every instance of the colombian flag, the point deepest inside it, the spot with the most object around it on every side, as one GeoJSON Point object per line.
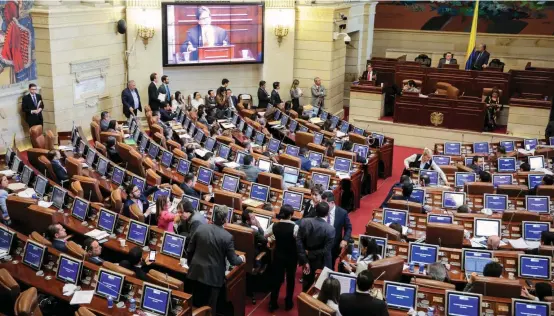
{"type": "Point", "coordinates": [472, 37]}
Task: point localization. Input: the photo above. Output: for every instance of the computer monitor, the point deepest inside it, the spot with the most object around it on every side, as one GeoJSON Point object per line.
{"type": "Point", "coordinates": [400, 295]}
{"type": "Point", "coordinates": [118, 175]}
{"type": "Point", "coordinates": [361, 150]}
{"type": "Point", "coordinates": [507, 164]}
{"type": "Point", "coordinates": [107, 220]}
{"type": "Point", "coordinates": [26, 175]}
{"type": "Point", "coordinates": [16, 162]}
{"type": "Point", "coordinates": [534, 267]}
{"type": "Point", "coordinates": [323, 115]}
{"type": "Point", "coordinates": [534, 179]}
{"type": "Point", "coordinates": [82, 146]}
{"type": "Point", "coordinates": [418, 195]}
{"type": "Point", "coordinates": [172, 245]}
{"type": "Point", "coordinates": [302, 128]}
{"type": "Point", "coordinates": [273, 146]}
{"type": "Point", "coordinates": [344, 127]}
{"type": "Point", "coordinates": [347, 281]}
{"type": "Point", "coordinates": [58, 197]}
{"type": "Point", "coordinates": [334, 122]}
{"type": "Point", "coordinates": [240, 157]}
{"type": "Point", "coordinates": [160, 192]}
{"type": "Point", "coordinates": [187, 122]}
{"type": "Point", "coordinates": [475, 260]}
{"type": "Point", "coordinates": [6, 239]}
{"type": "Point", "coordinates": [530, 143]}
{"type": "Point", "coordinates": [391, 215]}
{"type": "Point", "coordinates": [138, 232]}
{"type": "Point", "coordinates": [532, 230]}
{"type": "Point", "coordinates": [357, 130]}
{"type": "Point", "coordinates": [199, 136]}
{"type": "Point", "coordinates": [223, 151]}
{"type": "Point", "coordinates": [153, 150]}
{"type": "Point", "coordinates": [69, 269]}
{"type": "Point", "coordinates": [485, 227]}
{"type": "Point", "coordinates": [501, 179]}
{"type": "Point", "coordinates": [259, 192]}
{"type": "Point", "coordinates": [259, 139]}
{"type": "Point", "coordinates": [276, 115]}
{"type": "Point", "coordinates": [284, 120]}
{"type": "Point", "coordinates": [102, 166]}
{"type": "Point", "coordinates": [139, 182]}
{"type": "Point", "coordinates": [481, 148]}
{"type": "Point", "coordinates": [183, 166]}
{"type": "Point", "coordinates": [194, 201]}
{"type": "Point", "coordinates": [536, 162]}
{"type": "Point", "coordinates": [294, 199]}
{"type": "Point", "coordinates": [461, 178]}
{"type": "Point", "coordinates": [453, 200]}
{"type": "Point", "coordinates": [420, 253]}
{"type": "Point", "coordinates": [321, 178]}
{"type": "Point", "coordinates": [292, 150]}
{"type": "Point", "coordinates": [318, 138]}
{"type": "Point", "coordinates": [209, 144]}
{"type": "Point", "coordinates": [496, 202]}
{"type": "Point", "coordinates": [264, 165]}
{"type": "Point", "coordinates": [40, 185]}
{"type": "Point", "coordinates": [167, 158]}
{"type": "Point", "coordinates": [433, 176]}
{"type": "Point", "coordinates": [290, 175]}
{"type": "Point", "coordinates": [80, 208]}
{"type": "Point", "coordinates": [342, 165]}
{"type": "Point", "coordinates": [91, 155]}
{"type": "Point", "coordinates": [530, 308]}
{"type": "Point", "coordinates": [230, 183]}
{"type": "Point", "coordinates": [33, 255]}
{"type": "Point", "coordinates": [439, 218]}
{"type": "Point", "coordinates": [508, 145]}
{"type": "Point", "coordinates": [192, 128]}
{"type": "Point", "coordinates": [292, 126]}
{"type": "Point", "coordinates": [109, 284]}
{"type": "Point", "coordinates": [8, 157]}
{"type": "Point", "coordinates": [263, 220]}
{"type": "Point", "coordinates": [380, 138]}
{"type": "Point", "coordinates": [204, 176]}
{"type": "Point", "coordinates": [381, 245]}
{"type": "Point", "coordinates": [551, 140]}
{"type": "Point", "coordinates": [155, 299]}
{"type": "Point", "coordinates": [316, 158]}
{"type": "Point", "coordinates": [453, 148]}
{"type": "Point", "coordinates": [463, 303]}
{"type": "Point", "coordinates": [537, 204]}
{"type": "Point", "coordinates": [235, 118]}
{"type": "Point", "coordinates": [136, 134]}
{"type": "Point", "coordinates": [442, 160]}
{"type": "Point", "coordinates": [143, 143]}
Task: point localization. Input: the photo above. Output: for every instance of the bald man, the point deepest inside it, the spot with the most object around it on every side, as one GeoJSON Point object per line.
{"type": "Point", "coordinates": [493, 242]}
{"type": "Point", "coordinates": [131, 99]}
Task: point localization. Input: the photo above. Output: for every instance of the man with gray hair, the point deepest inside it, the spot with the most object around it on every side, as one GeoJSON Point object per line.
{"type": "Point", "coordinates": [318, 93]}
{"type": "Point", "coordinates": [131, 99]}
{"type": "Point", "coordinates": [209, 246]}
{"type": "Point", "coordinates": [437, 271]}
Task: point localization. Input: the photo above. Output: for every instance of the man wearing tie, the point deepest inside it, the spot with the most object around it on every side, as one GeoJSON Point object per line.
{"type": "Point", "coordinates": [153, 93]}
{"type": "Point", "coordinates": [204, 34]}
{"type": "Point", "coordinates": [59, 170]}
{"type": "Point", "coordinates": [338, 217]}
{"type": "Point", "coordinates": [480, 58]}
{"type": "Point", "coordinates": [232, 99]}
{"type": "Point", "coordinates": [32, 106]}
{"type": "Point", "coordinates": [131, 99]}
{"type": "Point", "coordinates": [164, 89]}
{"type": "Point", "coordinates": [318, 93]}
{"type": "Point", "coordinates": [369, 74]}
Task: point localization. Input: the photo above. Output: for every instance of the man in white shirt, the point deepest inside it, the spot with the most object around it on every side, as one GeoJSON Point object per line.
{"type": "Point", "coordinates": [338, 218]}
{"type": "Point", "coordinates": [423, 161]}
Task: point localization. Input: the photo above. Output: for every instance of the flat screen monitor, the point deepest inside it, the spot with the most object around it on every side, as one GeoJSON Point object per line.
{"type": "Point", "coordinates": [155, 299]}
{"type": "Point", "coordinates": [204, 176]}
{"type": "Point", "coordinates": [496, 202]}
{"type": "Point", "coordinates": [187, 122]}
{"type": "Point", "coordinates": [530, 308]}
{"type": "Point", "coordinates": [273, 146]}
{"type": "Point", "coordinates": [183, 166]}
{"type": "Point", "coordinates": [318, 138]}
{"type": "Point", "coordinates": [26, 175]}
{"type": "Point", "coordinates": [463, 304]}
{"type": "Point", "coordinates": [290, 175]}
{"type": "Point", "coordinates": [264, 221]}
{"type": "Point", "coordinates": [507, 164]}
{"type": "Point", "coordinates": [433, 176]}
{"type": "Point", "coordinates": [284, 120]}
{"type": "Point", "coordinates": [323, 115]}
{"type": "Point", "coordinates": [334, 122]}
{"type": "Point", "coordinates": [551, 141]}
{"type": "Point", "coordinates": [481, 148]}
{"type": "Point", "coordinates": [102, 166]}
{"type": "Point", "coordinates": [294, 199]}
{"type": "Point", "coordinates": [292, 150]}
{"type": "Point", "coordinates": [230, 183]}
{"type": "Point", "coordinates": [461, 178]}
{"type": "Point", "coordinates": [118, 175]}
{"type": "Point", "coordinates": [292, 126]}
{"type": "Point", "coordinates": [58, 197]}
{"type": "Point", "coordinates": [8, 157]}
{"type": "Point", "coordinates": [361, 150]}
{"type": "Point", "coordinates": [400, 295]}
{"type": "Point", "coordinates": [33, 255]}
{"type": "Point", "coordinates": [357, 130]}
{"type": "Point", "coordinates": [534, 267]}
{"type": "Point", "coordinates": [347, 281]}
{"type": "Point", "coordinates": [194, 201]}
{"type": "Point", "coordinates": [173, 245]}
{"type": "Point", "coordinates": [109, 284]}
{"type": "Point", "coordinates": [167, 158]}
{"type": "Point", "coordinates": [199, 136]}
{"type": "Point", "coordinates": [143, 143]}
{"type": "Point", "coordinates": [223, 151]}
{"type": "Point", "coordinates": [316, 158]}
{"type": "Point", "coordinates": [192, 128]}
{"type": "Point", "coordinates": [342, 164]}
{"type": "Point", "coordinates": [418, 195]}
{"type": "Point", "coordinates": [107, 220]}
{"type": "Point", "coordinates": [138, 232]}
{"type": "Point", "coordinates": [381, 245]}
{"type": "Point", "coordinates": [380, 138]}
{"type": "Point", "coordinates": [276, 115]}
{"type": "Point", "coordinates": [160, 192]}
{"type": "Point", "coordinates": [420, 253]}
{"type": "Point", "coordinates": [40, 185]}
{"type": "Point", "coordinates": [344, 127]}
{"type": "Point", "coordinates": [537, 204]}
{"type": "Point", "coordinates": [16, 162]}
{"type": "Point", "coordinates": [259, 139]}
{"type": "Point", "coordinates": [264, 165]}
{"type": "Point", "coordinates": [502, 179]}
{"type": "Point", "coordinates": [82, 146]}
{"type": "Point", "coordinates": [153, 150]}
{"type": "Point", "coordinates": [442, 160]}
{"type": "Point", "coordinates": [475, 260]}
{"type": "Point", "coordinates": [240, 157]}
{"type": "Point", "coordinates": [91, 155]}
{"type": "Point", "coordinates": [508, 145]}
{"type": "Point", "coordinates": [69, 269]}
{"type": "Point", "coordinates": [530, 143]}
{"type": "Point", "coordinates": [139, 182]}
{"type": "Point", "coordinates": [439, 218]}
{"type": "Point", "coordinates": [453, 200]}
{"type": "Point", "coordinates": [391, 215]}
{"type": "Point", "coordinates": [338, 144]}
{"type": "Point", "coordinates": [532, 230]}
{"type": "Point", "coordinates": [259, 192]}
{"type": "Point", "coordinates": [536, 162]}
{"type": "Point", "coordinates": [534, 179]}
{"type": "Point", "coordinates": [321, 178]}
{"type": "Point", "coordinates": [209, 144]}
{"type": "Point", "coordinates": [80, 208]}
{"type": "Point", "coordinates": [453, 148]}
{"type": "Point", "coordinates": [6, 239]}
{"type": "Point", "coordinates": [485, 227]}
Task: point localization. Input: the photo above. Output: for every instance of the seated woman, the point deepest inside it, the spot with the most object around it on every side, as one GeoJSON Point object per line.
{"type": "Point", "coordinates": [178, 101]}
{"type": "Point", "coordinates": [493, 109]}
{"type": "Point", "coordinates": [136, 196]}
{"type": "Point", "coordinates": [411, 86]}
{"type": "Point", "coordinates": [329, 294]}
{"type": "Point", "coordinates": [368, 253]}
{"type": "Point", "coordinates": [113, 155]}
{"type": "Point", "coordinates": [197, 101]}
{"type": "Point", "coordinates": [113, 127]}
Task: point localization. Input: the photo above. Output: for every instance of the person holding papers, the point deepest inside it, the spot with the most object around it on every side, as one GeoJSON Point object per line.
{"type": "Point", "coordinates": [58, 237]}
{"type": "Point", "coordinates": [361, 302]}
{"type": "Point", "coordinates": [136, 196]}
{"type": "Point", "coordinates": [249, 169]}
{"type": "Point", "coordinates": [423, 161]}
{"type": "Point", "coordinates": [492, 269]}
{"type": "Point", "coordinates": [94, 250]}
{"type": "Point", "coordinates": [338, 217]}
{"type": "Point", "coordinates": [330, 293]}
{"type": "Point", "coordinates": [163, 89]}
{"type": "Point", "coordinates": [3, 197]}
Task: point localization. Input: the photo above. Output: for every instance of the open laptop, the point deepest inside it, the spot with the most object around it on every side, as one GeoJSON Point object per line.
{"type": "Point", "coordinates": [474, 261]}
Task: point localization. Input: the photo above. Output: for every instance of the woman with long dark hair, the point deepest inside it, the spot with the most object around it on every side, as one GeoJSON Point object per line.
{"type": "Point", "coordinates": [329, 294]}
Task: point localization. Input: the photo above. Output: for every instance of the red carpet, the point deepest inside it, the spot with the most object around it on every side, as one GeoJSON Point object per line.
{"type": "Point", "coordinates": [358, 218]}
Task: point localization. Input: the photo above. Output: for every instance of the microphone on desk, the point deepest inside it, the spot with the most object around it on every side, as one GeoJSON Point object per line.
{"type": "Point", "coordinates": [380, 275]}
{"type": "Point", "coordinates": [440, 243]}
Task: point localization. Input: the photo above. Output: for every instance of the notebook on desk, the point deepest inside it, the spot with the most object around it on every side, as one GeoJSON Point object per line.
{"type": "Point", "coordinates": [252, 203]}
{"type": "Point", "coordinates": [16, 186]}
{"type": "Point", "coordinates": [231, 164]}
{"type": "Point", "coordinates": [227, 125]}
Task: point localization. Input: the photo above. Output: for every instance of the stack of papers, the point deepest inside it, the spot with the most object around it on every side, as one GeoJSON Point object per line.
{"type": "Point", "coordinates": [44, 204]}
{"type": "Point", "coordinates": [82, 297]}
{"type": "Point", "coordinates": [8, 173]}
{"type": "Point", "coordinates": [231, 164]}
{"type": "Point", "coordinates": [184, 136]}
{"type": "Point", "coordinates": [340, 134]}
{"type": "Point", "coordinates": [97, 234]}
{"type": "Point", "coordinates": [201, 152]}
{"type": "Point", "coordinates": [227, 125]}
{"type": "Point", "coordinates": [161, 97]}
{"type": "Point", "coordinates": [28, 193]}
{"type": "Point", "coordinates": [524, 244]}
{"type": "Point", "coordinates": [84, 165]}
{"type": "Point", "coordinates": [343, 175]}
{"type": "Point", "coordinates": [253, 203]}
{"type": "Point", "coordinates": [16, 186]}
{"type": "Point", "coordinates": [69, 289]}
{"type": "Point", "coordinates": [220, 160]}
{"type": "Point", "coordinates": [316, 120]}
{"type": "Point", "coordinates": [65, 148]}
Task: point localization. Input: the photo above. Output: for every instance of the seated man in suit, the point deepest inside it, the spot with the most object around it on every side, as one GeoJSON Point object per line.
{"type": "Point", "coordinates": [58, 237]}
{"type": "Point", "coordinates": [137, 196]}
{"type": "Point", "coordinates": [477, 164]}
{"type": "Point", "coordinates": [188, 185]}
{"type": "Point", "coordinates": [305, 163]}
{"type": "Point", "coordinates": [447, 60]}
{"type": "Point", "coordinates": [361, 303]}
{"type": "Point", "coordinates": [59, 170]}
{"type": "Point", "coordinates": [94, 250]}
{"type": "Point", "coordinates": [165, 112]}
{"type": "Point", "coordinates": [136, 264]}
{"type": "Point", "coordinates": [204, 34]}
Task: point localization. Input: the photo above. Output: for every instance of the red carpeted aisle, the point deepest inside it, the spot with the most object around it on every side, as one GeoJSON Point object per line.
{"type": "Point", "coordinates": [358, 218]}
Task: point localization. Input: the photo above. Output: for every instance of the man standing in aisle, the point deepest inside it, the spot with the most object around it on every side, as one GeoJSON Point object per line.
{"type": "Point", "coordinates": [164, 88]}
{"type": "Point", "coordinates": [131, 99]}
{"type": "Point", "coordinates": [32, 106]}
{"type": "Point", "coordinates": [338, 217]}
{"type": "Point", "coordinates": [153, 94]}
{"type": "Point", "coordinates": [318, 93]}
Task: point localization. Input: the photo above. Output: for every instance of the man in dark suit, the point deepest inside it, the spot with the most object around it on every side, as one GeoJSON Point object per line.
{"type": "Point", "coordinates": [209, 100]}
{"type": "Point", "coordinates": [480, 58]}
{"type": "Point", "coordinates": [189, 220]}
{"type": "Point", "coordinates": [165, 112]}
{"type": "Point", "coordinates": [136, 264]}
{"type": "Point", "coordinates": [210, 245]}
{"type": "Point", "coordinates": [263, 96]}
{"type": "Point", "coordinates": [309, 207]}
{"type": "Point", "coordinates": [361, 303]}
{"type": "Point", "coordinates": [314, 244]}
{"type": "Point", "coordinates": [164, 88]}
{"type": "Point", "coordinates": [153, 93]}
{"type": "Point", "coordinates": [204, 34]}
{"type": "Point", "coordinates": [32, 106]}
{"type": "Point", "coordinates": [275, 97]}
{"type": "Point", "coordinates": [58, 235]}
{"type": "Point", "coordinates": [369, 74]}
{"type": "Point", "coordinates": [94, 250]}
{"type": "Point", "coordinates": [131, 99]}
{"type": "Point", "coordinates": [232, 99]}
{"type": "Point", "coordinates": [338, 217]}
{"type": "Point", "coordinates": [59, 170]}
{"type": "Point", "coordinates": [447, 60]}
{"type": "Point", "coordinates": [188, 186]}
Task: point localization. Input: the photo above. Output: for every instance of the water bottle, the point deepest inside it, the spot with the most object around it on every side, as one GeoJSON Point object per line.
{"type": "Point", "coordinates": [430, 311]}
{"type": "Point", "coordinates": [422, 269]}
{"type": "Point", "coordinates": [412, 267]}
{"type": "Point", "coordinates": [355, 253]}
{"type": "Point", "coordinates": [132, 305]}
{"type": "Point", "coordinates": [110, 302]}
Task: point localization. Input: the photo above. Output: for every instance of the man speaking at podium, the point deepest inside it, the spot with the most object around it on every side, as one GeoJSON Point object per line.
{"type": "Point", "coordinates": [204, 34]}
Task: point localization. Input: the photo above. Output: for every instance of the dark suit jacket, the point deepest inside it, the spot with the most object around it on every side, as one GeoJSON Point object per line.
{"type": "Point", "coordinates": [59, 245]}
{"type": "Point", "coordinates": [317, 237]}
{"type": "Point", "coordinates": [343, 228]}
{"type": "Point", "coordinates": [355, 304]}
{"type": "Point", "coordinates": [140, 272]}
{"type": "Point", "coordinates": [275, 97]}
{"type": "Point", "coordinates": [60, 171]}
{"type": "Point", "coordinates": [194, 36]}
{"type": "Point", "coordinates": [129, 102]}
{"type": "Point", "coordinates": [96, 260]}
{"type": "Point", "coordinates": [166, 116]}
{"type": "Point", "coordinates": [189, 191]}
{"type": "Point", "coordinates": [27, 105]}
{"type": "Point", "coordinates": [163, 90]}
{"type": "Point", "coordinates": [143, 198]}
{"type": "Point", "coordinates": [153, 97]}
{"type": "Point", "coordinates": [442, 61]}
{"type": "Point", "coordinates": [263, 98]}
{"type": "Point", "coordinates": [364, 75]}
{"type": "Point", "coordinates": [235, 100]}
{"type": "Point", "coordinates": [209, 247]}
{"type": "Point", "coordinates": [483, 60]}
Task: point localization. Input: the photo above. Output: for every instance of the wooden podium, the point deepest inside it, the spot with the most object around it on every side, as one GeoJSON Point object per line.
{"type": "Point", "coordinates": [214, 53]}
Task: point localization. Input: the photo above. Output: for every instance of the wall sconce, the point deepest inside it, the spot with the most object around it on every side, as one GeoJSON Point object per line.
{"type": "Point", "coordinates": [145, 32]}
{"type": "Point", "coordinates": [281, 31]}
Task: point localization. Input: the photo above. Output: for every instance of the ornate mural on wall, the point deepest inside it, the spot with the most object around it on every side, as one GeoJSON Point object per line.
{"type": "Point", "coordinates": [503, 17]}
{"type": "Point", "coordinates": [17, 42]}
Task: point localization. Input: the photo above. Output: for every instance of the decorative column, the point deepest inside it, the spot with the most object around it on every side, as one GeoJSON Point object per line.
{"type": "Point", "coordinates": [370, 29]}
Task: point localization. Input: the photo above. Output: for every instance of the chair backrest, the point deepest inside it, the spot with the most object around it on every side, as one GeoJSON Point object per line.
{"type": "Point", "coordinates": [512, 190]}
{"type": "Point", "coordinates": [310, 306]}
{"type": "Point", "coordinates": [228, 199]}
{"type": "Point", "coordinates": [33, 218]}
{"type": "Point", "coordinates": [171, 145]}
{"type": "Point", "coordinates": [225, 139]}
{"type": "Point", "coordinates": [445, 235]}
{"type": "Point", "coordinates": [380, 230]}
{"type": "Point", "coordinates": [449, 169]}
{"type": "Point", "coordinates": [357, 138]}
{"type": "Point", "coordinates": [547, 190]}
{"type": "Point", "coordinates": [77, 189]}
{"type": "Point", "coordinates": [37, 137]}
{"type": "Point", "coordinates": [152, 178]}
{"type": "Point", "coordinates": [417, 82]}
{"type": "Point", "coordinates": [95, 131]}
{"type": "Point", "coordinates": [105, 135]}
{"type": "Point", "coordinates": [273, 180]}
{"type": "Point", "coordinates": [83, 311]}
{"type": "Point", "coordinates": [136, 213]}
{"type": "Point", "coordinates": [46, 164]}
{"type": "Point", "coordinates": [75, 249]}
{"type": "Point", "coordinates": [40, 239]}
{"type": "Point", "coordinates": [286, 159]}
{"type": "Point", "coordinates": [101, 148]}
{"type": "Point", "coordinates": [136, 162]}
{"type": "Point", "coordinates": [479, 188]}
{"type": "Point", "coordinates": [498, 287]}
{"type": "Point", "coordinates": [302, 139]}
{"type": "Point", "coordinates": [316, 148]}
{"type": "Point", "coordinates": [164, 280]}
{"type": "Point", "coordinates": [33, 154]}
{"type": "Point", "coordinates": [345, 154]}
{"type": "Point", "coordinates": [520, 216]}
{"type": "Point", "coordinates": [177, 191]}
{"type": "Point", "coordinates": [50, 140]}
{"type": "Point", "coordinates": [117, 268]}
{"type": "Point", "coordinates": [90, 188]}
{"type": "Point", "coordinates": [27, 304]}
{"type": "Point", "coordinates": [8, 285]}
{"type": "Point", "coordinates": [442, 87]}
{"type": "Point", "coordinates": [123, 150]}
{"type": "Point", "coordinates": [235, 172]}
{"type": "Point", "coordinates": [393, 267]}
{"type": "Point", "coordinates": [179, 153]}
{"type": "Point", "coordinates": [96, 118]}
{"type": "Point", "coordinates": [433, 284]}
{"type": "Point", "coordinates": [73, 166]}
{"type": "Point", "coordinates": [413, 207]}
{"type": "Point", "coordinates": [159, 138]}
{"type": "Point", "coordinates": [452, 92]}
{"type": "Point", "coordinates": [244, 241]}
{"type": "Point", "coordinates": [116, 201]}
